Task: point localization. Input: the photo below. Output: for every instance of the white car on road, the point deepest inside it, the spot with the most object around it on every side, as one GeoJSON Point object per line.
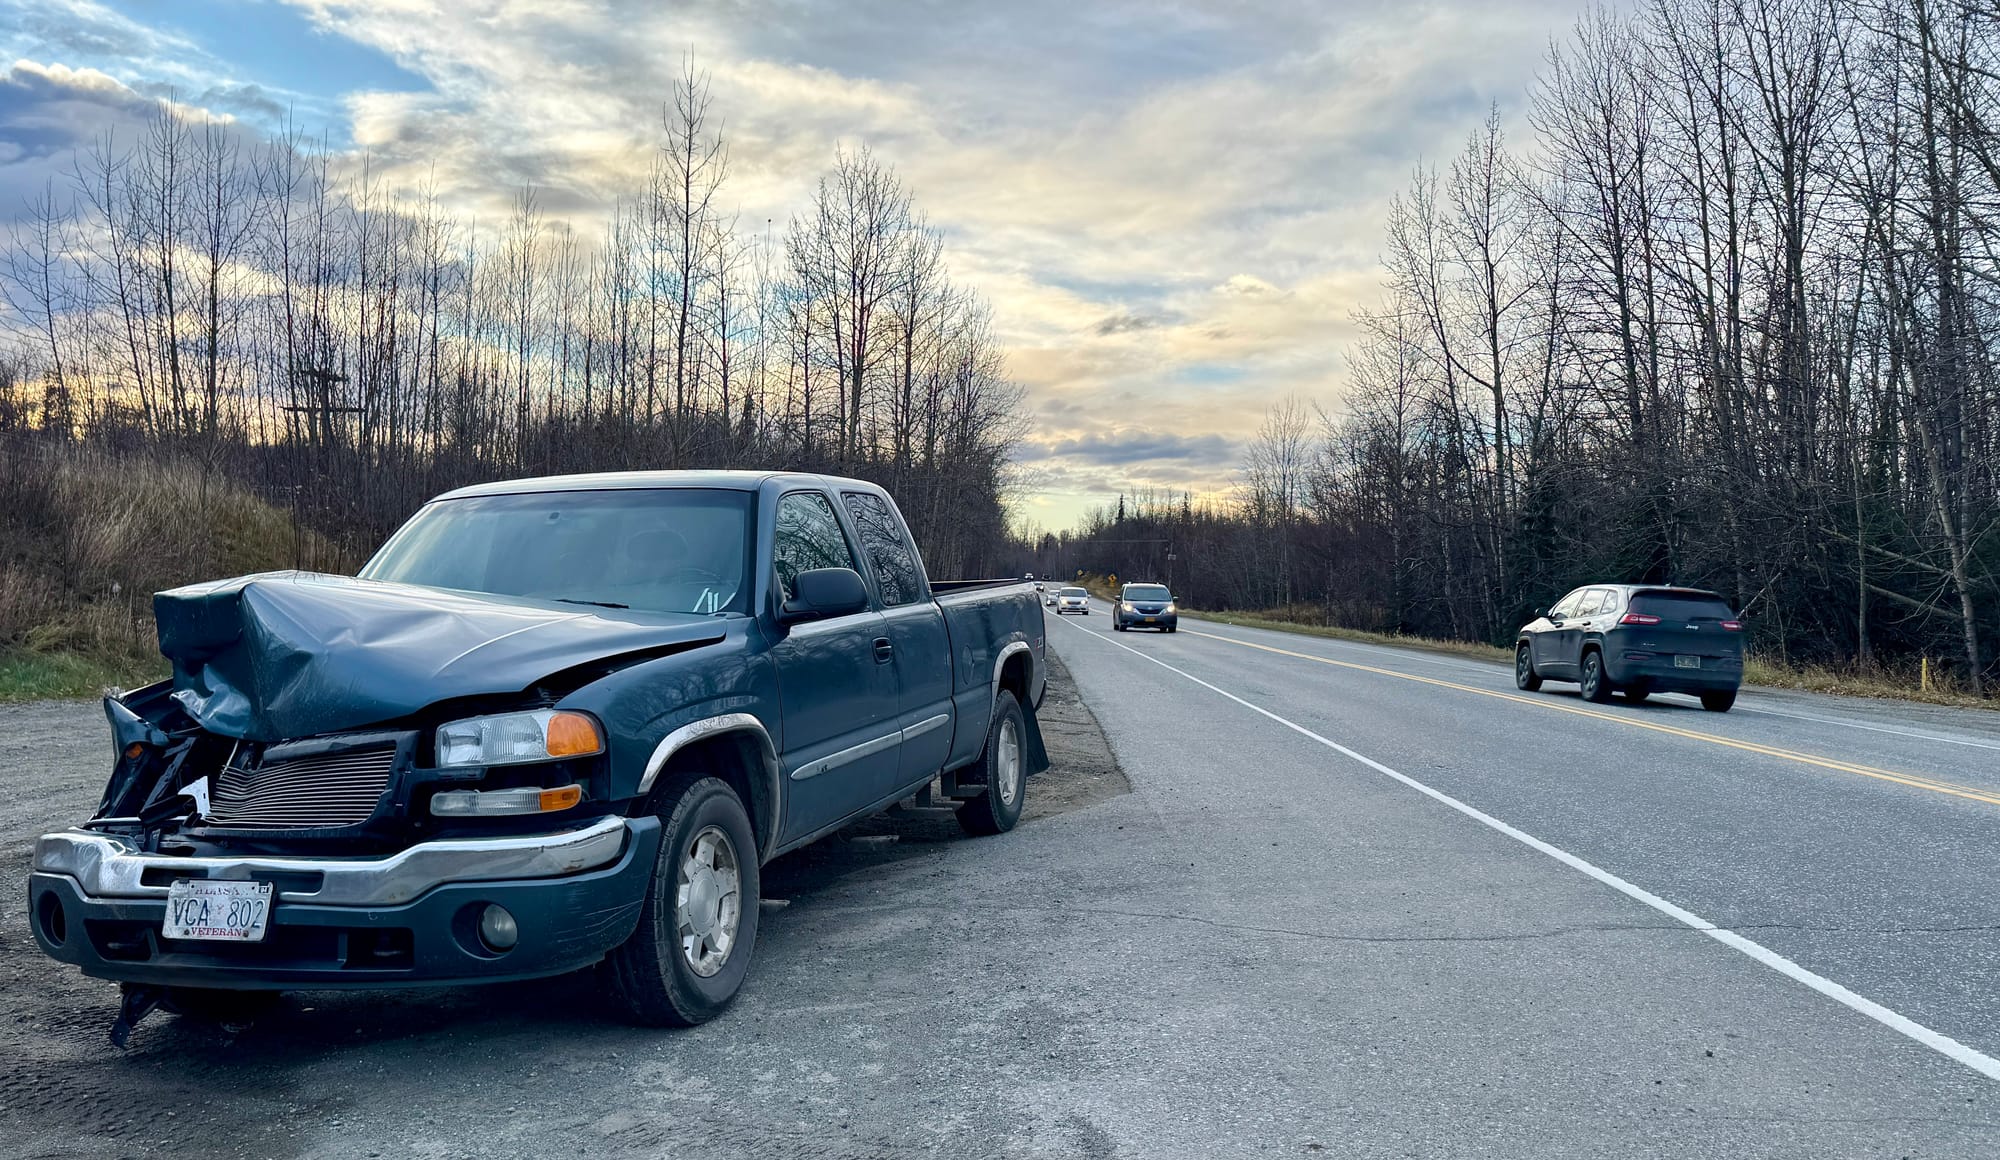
{"type": "Point", "coordinates": [1072, 600]}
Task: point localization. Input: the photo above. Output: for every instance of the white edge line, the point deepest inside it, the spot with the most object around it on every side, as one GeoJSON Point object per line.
{"type": "Point", "coordinates": [1937, 1041]}
{"type": "Point", "coordinates": [1910, 733]}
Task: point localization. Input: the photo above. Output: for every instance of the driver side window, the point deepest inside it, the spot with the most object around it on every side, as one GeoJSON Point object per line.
{"type": "Point", "coordinates": [1567, 606]}
{"type": "Point", "coordinates": [807, 536]}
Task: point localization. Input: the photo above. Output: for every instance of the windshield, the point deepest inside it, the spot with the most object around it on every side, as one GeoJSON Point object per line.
{"type": "Point", "coordinates": [657, 550]}
{"type": "Point", "coordinates": [1147, 592]}
{"type": "Point", "coordinates": [1074, 592]}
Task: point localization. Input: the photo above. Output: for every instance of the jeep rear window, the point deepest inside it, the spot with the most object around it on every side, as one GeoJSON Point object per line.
{"type": "Point", "coordinates": [652, 549]}
{"type": "Point", "coordinates": [1681, 606]}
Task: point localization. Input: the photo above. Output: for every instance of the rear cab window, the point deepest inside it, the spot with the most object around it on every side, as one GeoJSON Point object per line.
{"type": "Point", "coordinates": [888, 547]}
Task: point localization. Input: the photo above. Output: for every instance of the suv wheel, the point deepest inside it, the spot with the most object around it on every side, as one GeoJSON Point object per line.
{"type": "Point", "coordinates": [1719, 700]}
{"type": "Point", "coordinates": [1525, 677]}
{"type": "Point", "coordinates": [1595, 686]}
{"type": "Point", "coordinates": [698, 925]}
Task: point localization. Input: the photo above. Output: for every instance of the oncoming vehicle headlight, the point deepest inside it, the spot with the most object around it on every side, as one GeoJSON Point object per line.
{"type": "Point", "coordinates": [1169, 607]}
{"type": "Point", "coordinates": [517, 738]}
{"type": "Point", "coordinates": [1126, 606]}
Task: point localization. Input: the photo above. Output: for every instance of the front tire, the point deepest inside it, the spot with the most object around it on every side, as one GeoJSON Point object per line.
{"type": "Point", "coordinates": [1595, 686]}
{"type": "Point", "coordinates": [698, 925]}
{"type": "Point", "coordinates": [1525, 677]}
{"type": "Point", "coordinates": [1719, 700]}
{"type": "Point", "coordinates": [1003, 766]}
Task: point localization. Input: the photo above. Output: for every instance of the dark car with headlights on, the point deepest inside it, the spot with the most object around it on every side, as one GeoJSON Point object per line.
{"type": "Point", "coordinates": [1635, 639]}
{"type": "Point", "coordinates": [1145, 606]}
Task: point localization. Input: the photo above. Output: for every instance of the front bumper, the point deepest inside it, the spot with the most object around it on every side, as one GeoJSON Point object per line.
{"type": "Point", "coordinates": [409, 919]}
{"type": "Point", "coordinates": [1148, 620]}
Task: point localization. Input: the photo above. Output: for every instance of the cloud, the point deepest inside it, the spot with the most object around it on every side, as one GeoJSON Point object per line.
{"type": "Point", "coordinates": [1174, 206]}
{"type": "Point", "coordinates": [1123, 322]}
{"type": "Point", "coordinates": [47, 112]}
{"type": "Point", "coordinates": [1131, 447]}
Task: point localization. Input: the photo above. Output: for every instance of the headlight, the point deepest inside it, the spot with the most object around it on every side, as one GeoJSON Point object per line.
{"type": "Point", "coordinates": [1126, 606]}
{"type": "Point", "coordinates": [1169, 607]}
{"type": "Point", "coordinates": [515, 738]}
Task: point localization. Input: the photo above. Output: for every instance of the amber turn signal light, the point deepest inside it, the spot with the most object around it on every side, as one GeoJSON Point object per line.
{"type": "Point", "coordinates": [572, 735]}
{"type": "Point", "coordinates": [561, 799]}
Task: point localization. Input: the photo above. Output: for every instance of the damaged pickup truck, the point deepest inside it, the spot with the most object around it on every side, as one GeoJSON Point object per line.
{"type": "Point", "coordinates": [553, 723]}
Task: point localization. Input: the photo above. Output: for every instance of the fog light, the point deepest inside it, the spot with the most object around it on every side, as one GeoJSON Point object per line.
{"type": "Point", "coordinates": [497, 929]}
{"type": "Point", "coordinates": [55, 924]}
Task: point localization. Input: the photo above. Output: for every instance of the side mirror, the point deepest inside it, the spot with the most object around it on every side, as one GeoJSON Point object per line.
{"type": "Point", "coordinates": [825, 592]}
{"type": "Point", "coordinates": [1539, 612]}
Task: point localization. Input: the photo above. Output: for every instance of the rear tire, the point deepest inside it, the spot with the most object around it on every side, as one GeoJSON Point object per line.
{"type": "Point", "coordinates": [1595, 686]}
{"type": "Point", "coordinates": [1003, 767]}
{"type": "Point", "coordinates": [1637, 695]}
{"type": "Point", "coordinates": [1525, 677]}
{"type": "Point", "coordinates": [700, 913]}
{"type": "Point", "coordinates": [1718, 701]}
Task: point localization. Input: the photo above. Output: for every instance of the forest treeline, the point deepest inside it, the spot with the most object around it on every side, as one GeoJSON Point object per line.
{"type": "Point", "coordinates": [1727, 318]}
{"type": "Point", "coordinates": [276, 314]}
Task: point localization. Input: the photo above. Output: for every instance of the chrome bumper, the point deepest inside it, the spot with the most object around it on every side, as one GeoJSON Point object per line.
{"type": "Point", "coordinates": [107, 866]}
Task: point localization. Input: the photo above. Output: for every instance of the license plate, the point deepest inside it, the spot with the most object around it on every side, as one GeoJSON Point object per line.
{"type": "Point", "coordinates": [1687, 662]}
{"type": "Point", "coordinates": [1149, 620]}
{"type": "Point", "coordinates": [218, 911]}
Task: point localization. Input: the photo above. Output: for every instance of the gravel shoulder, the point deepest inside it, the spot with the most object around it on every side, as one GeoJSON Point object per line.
{"type": "Point", "coordinates": [514, 1069]}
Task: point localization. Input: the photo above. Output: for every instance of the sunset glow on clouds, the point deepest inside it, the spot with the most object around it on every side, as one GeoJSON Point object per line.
{"type": "Point", "coordinates": [1173, 208]}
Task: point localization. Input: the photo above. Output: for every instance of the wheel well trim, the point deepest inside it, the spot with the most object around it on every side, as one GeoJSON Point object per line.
{"type": "Point", "coordinates": [722, 725]}
{"type": "Point", "coordinates": [1007, 653]}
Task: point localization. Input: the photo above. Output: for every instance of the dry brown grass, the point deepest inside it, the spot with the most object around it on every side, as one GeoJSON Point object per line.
{"type": "Point", "coordinates": [86, 539]}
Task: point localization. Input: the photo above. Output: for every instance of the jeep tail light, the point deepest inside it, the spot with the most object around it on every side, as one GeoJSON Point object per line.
{"type": "Point", "coordinates": [1733, 625]}
{"type": "Point", "coordinates": [1638, 618]}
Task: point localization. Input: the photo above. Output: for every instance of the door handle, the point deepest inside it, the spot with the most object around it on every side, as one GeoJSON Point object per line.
{"type": "Point", "coordinates": [884, 651]}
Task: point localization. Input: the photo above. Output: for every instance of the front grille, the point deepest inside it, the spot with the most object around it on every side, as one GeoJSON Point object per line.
{"type": "Point", "coordinates": [322, 791]}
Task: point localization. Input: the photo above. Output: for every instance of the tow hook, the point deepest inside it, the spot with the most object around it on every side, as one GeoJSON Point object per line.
{"type": "Point", "coordinates": [136, 1001]}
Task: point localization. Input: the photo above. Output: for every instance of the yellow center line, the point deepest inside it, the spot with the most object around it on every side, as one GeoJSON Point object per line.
{"type": "Point", "coordinates": [1917, 781]}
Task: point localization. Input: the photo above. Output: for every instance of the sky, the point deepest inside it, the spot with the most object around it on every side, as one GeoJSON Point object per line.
{"type": "Point", "coordinates": [1175, 208]}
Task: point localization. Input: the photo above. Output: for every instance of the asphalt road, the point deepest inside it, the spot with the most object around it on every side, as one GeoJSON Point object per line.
{"type": "Point", "coordinates": [1539, 963]}
{"type": "Point", "coordinates": [1300, 933]}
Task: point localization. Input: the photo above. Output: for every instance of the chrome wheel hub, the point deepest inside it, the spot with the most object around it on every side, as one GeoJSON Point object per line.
{"type": "Point", "coordinates": [709, 903]}
{"type": "Point", "coordinates": [1007, 763]}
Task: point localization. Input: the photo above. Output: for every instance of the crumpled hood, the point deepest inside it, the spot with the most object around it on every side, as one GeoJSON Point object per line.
{"type": "Point", "coordinates": [281, 655]}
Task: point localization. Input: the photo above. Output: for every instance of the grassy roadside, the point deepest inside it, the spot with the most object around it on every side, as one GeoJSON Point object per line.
{"type": "Point", "coordinates": [51, 676]}
{"type": "Point", "coordinates": [1757, 671]}
{"type": "Point", "coordinates": [87, 537]}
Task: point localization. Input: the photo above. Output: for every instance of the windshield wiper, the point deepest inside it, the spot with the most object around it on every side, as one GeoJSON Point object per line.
{"type": "Point", "coordinates": [598, 603]}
